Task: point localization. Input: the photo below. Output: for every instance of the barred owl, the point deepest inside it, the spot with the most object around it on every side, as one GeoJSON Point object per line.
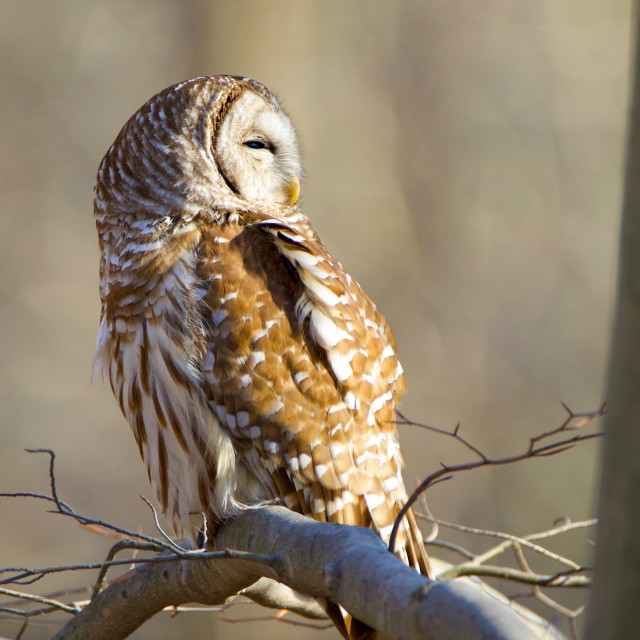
{"type": "Point", "coordinates": [250, 366]}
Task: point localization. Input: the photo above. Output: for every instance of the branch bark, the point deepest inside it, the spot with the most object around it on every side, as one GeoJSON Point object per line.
{"type": "Point", "coordinates": [349, 565]}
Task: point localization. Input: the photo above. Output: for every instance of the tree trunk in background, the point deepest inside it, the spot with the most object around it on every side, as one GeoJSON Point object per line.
{"type": "Point", "coordinates": [615, 604]}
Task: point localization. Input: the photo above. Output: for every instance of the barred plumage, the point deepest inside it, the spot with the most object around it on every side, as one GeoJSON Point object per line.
{"type": "Point", "coordinates": [249, 364]}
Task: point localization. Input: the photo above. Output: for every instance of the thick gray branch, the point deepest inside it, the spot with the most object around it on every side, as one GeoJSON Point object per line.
{"type": "Point", "coordinates": [276, 595]}
{"type": "Point", "coordinates": [349, 565]}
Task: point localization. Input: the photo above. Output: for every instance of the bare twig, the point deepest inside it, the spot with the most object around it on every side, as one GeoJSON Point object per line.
{"type": "Point", "coordinates": [452, 547]}
{"type": "Point", "coordinates": [85, 521]}
{"type": "Point", "coordinates": [560, 579]}
{"type": "Point", "coordinates": [443, 432]}
{"type": "Point", "coordinates": [511, 540]}
{"type": "Point", "coordinates": [172, 545]}
{"type": "Point", "coordinates": [33, 598]}
{"type": "Point", "coordinates": [52, 477]}
{"type": "Point", "coordinates": [115, 549]}
{"type": "Point", "coordinates": [29, 494]}
{"type": "Point", "coordinates": [534, 450]}
{"type": "Point", "coordinates": [574, 577]}
{"type": "Point", "coordinates": [29, 576]}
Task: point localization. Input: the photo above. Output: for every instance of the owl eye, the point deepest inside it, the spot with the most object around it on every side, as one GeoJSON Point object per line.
{"type": "Point", "coordinates": [257, 144]}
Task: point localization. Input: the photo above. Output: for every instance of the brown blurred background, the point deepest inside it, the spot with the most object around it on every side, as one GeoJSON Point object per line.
{"type": "Point", "coordinates": [463, 161]}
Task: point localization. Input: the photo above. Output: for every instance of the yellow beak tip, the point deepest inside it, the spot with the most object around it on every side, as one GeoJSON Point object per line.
{"type": "Point", "coordinates": [293, 190]}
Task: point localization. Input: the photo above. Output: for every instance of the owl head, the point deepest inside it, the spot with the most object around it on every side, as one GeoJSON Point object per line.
{"type": "Point", "coordinates": [219, 143]}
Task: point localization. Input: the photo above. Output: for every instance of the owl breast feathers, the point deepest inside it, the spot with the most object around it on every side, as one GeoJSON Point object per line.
{"type": "Point", "coordinates": [250, 366]}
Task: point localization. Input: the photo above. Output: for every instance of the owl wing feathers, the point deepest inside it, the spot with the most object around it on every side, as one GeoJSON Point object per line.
{"type": "Point", "coordinates": [301, 368]}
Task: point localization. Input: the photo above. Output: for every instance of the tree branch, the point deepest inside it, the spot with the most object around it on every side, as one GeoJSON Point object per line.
{"type": "Point", "coordinates": [349, 565]}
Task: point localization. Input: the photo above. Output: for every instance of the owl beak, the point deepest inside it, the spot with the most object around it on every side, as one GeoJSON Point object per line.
{"type": "Point", "coordinates": [292, 190]}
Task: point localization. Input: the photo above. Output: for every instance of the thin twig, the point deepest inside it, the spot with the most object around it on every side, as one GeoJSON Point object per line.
{"type": "Point", "coordinates": [560, 579]}
{"type": "Point", "coordinates": [52, 477]}
{"type": "Point", "coordinates": [22, 629]}
{"type": "Point", "coordinates": [173, 546]}
{"type": "Point", "coordinates": [510, 540]}
{"type": "Point", "coordinates": [239, 601]}
{"type": "Point", "coordinates": [115, 549]}
{"type": "Point", "coordinates": [443, 432]}
{"type": "Point", "coordinates": [52, 596]}
{"type": "Point", "coordinates": [85, 521]}
{"type": "Point", "coordinates": [29, 494]}
{"type": "Point", "coordinates": [452, 547]}
{"type": "Point", "coordinates": [32, 598]}
{"type": "Point", "coordinates": [534, 451]}
{"type": "Point", "coordinates": [37, 574]}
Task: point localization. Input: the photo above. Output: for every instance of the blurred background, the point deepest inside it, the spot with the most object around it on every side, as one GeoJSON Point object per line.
{"type": "Point", "coordinates": [463, 161]}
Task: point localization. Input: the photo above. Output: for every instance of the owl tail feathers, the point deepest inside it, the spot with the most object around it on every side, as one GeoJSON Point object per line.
{"type": "Point", "coordinates": [349, 627]}
{"type": "Point", "coordinates": [414, 547]}
{"type": "Point", "coordinates": [359, 630]}
{"type": "Point", "coordinates": [413, 553]}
